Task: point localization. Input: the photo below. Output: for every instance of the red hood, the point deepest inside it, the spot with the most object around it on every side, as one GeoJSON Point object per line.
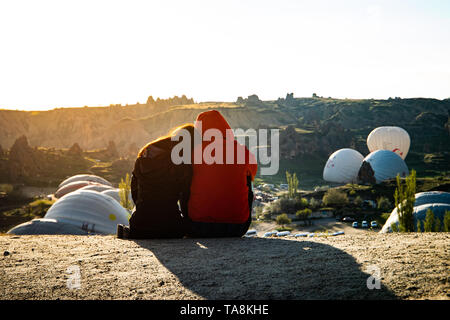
{"type": "Point", "coordinates": [213, 119]}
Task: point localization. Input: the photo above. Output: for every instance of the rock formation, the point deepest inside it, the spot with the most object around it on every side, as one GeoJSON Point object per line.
{"type": "Point", "coordinates": [324, 141]}
{"type": "Point", "coordinates": [23, 161]}
{"type": "Point", "coordinates": [75, 150]}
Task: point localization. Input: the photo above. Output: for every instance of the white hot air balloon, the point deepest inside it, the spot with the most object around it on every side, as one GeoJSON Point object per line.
{"type": "Point", "coordinates": [97, 187]}
{"type": "Point", "coordinates": [394, 139]}
{"type": "Point", "coordinates": [115, 194]}
{"type": "Point", "coordinates": [71, 187]}
{"type": "Point", "coordinates": [343, 166]}
{"type": "Point", "coordinates": [90, 211]}
{"type": "Point", "coordinates": [85, 177]}
{"type": "Point", "coordinates": [46, 226]}
{"type": "Point", "coordinates": [386, 165]}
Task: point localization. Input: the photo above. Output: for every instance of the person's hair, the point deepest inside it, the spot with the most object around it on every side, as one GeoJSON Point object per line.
{"type": "Point", "coordinates": [173, 132]}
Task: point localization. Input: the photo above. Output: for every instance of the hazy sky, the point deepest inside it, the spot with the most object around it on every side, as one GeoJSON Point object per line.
{"type": "Point", "coordinates": [76, 53]}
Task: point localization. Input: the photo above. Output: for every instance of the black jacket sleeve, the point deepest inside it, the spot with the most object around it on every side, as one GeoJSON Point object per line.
{"type": "Point", "coordinates": [134, 186]}
{"type": "Point", "coordinates": [185, 183]}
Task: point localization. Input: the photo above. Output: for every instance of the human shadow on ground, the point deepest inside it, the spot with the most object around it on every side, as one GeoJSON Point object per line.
{"type": "Point", "coordinates": [264, 268]}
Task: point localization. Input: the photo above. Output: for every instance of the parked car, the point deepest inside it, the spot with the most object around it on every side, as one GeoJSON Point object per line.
{"type": "Point", "coordinates": [364, 224]}
{"type": "Point", "coordinates": [348, 219]}
{"type": "Point", "coordinates": [355, 224]}
{"type": "Point", "coordinates": [374, 224]}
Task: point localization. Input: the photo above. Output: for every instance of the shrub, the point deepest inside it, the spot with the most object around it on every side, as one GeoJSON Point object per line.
{"type": "Point", "coordinates": [358, 201]}
{"type": "Point", "coordinates": [39, 207]}
{"type": "Point", "coordinates": [383, 203]}
{"type": "Point", "coordinates": [335, 197]}
{"type": "Point", "coordinates": [283, 219]}
{"type": "Point", "coordinates": [285, 205]}
{"type": "Point", "coordinates": [304, 202]}
{"type": "Point", "coordinates": [313, 203]}
{"type": "Point", "coordinates": [419, 226]}
{"type": "Point", "coordinates": [258, 212]}
{"type": "Point", "coordinates": [6, 188]}
{"type": "Point", "coordinates": [429, 221]}
{"type": "Point", "coordinates": [284, 228]}
{"type": "Point", "coordinates": [124, 192]}
{"type": "Point", "coordinates": [303, 214]}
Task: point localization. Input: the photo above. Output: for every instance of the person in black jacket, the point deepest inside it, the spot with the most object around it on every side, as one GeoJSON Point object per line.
{"type": "Point", "coordinates": [157, 186]}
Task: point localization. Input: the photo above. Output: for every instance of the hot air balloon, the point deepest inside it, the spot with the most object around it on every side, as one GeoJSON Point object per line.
{"type": "Point", "coordinates": [419, 213]}
{"type": "Point", "coordinates": [71, 187]}
{"type": "Point", "coordinates": [382, 165]}
{"type": "Point", "coordinates": [97, 187]}
{"type": "Point", "coordinates": [394, 139]}
{"type": "Point", "coordinates": [90, 211]}
{"type": "Point", "coordinates": [115, 194]}
{"type": "Point", "coordinates": [343, 166]}
{"type": "Point", "coordinates": [85, 177]}
{"type": "Point", "coordinates": [432, 197]}
{"type": "Point", "coordinates": [46, 226]}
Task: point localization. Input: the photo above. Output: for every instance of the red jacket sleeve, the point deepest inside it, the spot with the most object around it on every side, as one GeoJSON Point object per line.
{"type": "Point", "coordinates": [252, 165]}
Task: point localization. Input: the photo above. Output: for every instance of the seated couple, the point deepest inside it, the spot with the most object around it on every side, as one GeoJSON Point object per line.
{"type": "Point", "coordinates": [210, 197]}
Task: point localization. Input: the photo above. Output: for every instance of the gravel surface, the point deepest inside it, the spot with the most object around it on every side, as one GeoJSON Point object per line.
{"type": "Point", "coordinates": [411, 266]}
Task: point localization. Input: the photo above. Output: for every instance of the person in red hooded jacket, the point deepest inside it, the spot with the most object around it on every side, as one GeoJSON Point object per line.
{"type": "Point", "coordinates": [220, 199]}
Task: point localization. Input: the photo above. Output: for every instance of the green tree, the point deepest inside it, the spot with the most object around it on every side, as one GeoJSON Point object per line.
{"type": "Point", "coordinates": [429, 221]}
{"type": "Point", "coordinates": [304, 215]}
{"type": "Point", "coordinates": [292, 182]}
{"type": "Point", "coordinates": [283, 219]}
{"type": "Point", "coordinates": [437, 225]}
{"type": "Point", "coordinates": [419, 226]}
{"type": "Point", "coordinates": [383, 203]}
{"type": "Point", "coordinates": [447, 221]}
{"type": "Point", "coordinates": [304, 203]}
{"type": "Point", "coordinates": [124, 192]}
{"type": "Point", "coordinates": [335, 197]}
{"type": "Point", "coordinates": [404, 201]}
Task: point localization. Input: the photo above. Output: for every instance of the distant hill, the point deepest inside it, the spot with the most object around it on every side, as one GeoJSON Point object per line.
{"type": "Point", "coordinates": [311, 128]}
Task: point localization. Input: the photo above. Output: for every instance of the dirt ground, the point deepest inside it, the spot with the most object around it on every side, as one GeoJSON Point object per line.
{"type": "Point", "coordinates": [319, 225]}
{"type": "Point", "coordinates": [410, 266]}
